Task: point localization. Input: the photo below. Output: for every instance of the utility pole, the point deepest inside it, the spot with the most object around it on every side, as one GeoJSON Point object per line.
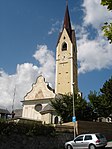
{"type": "Point", "coordinates": [13, 102]}
{"type": "Point", "coordinates": [74, 117]}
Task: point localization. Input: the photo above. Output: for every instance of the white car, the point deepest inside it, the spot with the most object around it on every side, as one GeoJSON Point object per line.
{"type": "Point", "coordinates": [87, 141]}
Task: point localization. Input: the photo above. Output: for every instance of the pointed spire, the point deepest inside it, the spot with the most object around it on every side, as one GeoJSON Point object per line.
{"type": "Point", "coordinates": [66, 2]}
{"type": "Point", "coordinates": [67, 23]}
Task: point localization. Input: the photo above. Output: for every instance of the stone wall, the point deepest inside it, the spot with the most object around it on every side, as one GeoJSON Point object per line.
{"type": "Point", "coordinates": [93, 127]}
{"type": "Point", "coordinates": [88, 127]}
{"type": "Point", "coordinates": [15, 141]}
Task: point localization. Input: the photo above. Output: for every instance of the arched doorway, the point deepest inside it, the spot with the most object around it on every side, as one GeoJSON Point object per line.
{"type": "Point", "coordinates": [56, 120]}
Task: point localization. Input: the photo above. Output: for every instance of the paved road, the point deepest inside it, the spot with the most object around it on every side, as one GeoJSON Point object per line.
{"type": "Point", "coordinates": [109, 145]}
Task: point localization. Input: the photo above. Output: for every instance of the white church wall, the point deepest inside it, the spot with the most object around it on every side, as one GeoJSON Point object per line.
{"type": "Point", "coordinates": [46, 118]}
{"type": "Point", "coordinates": [30, 113]}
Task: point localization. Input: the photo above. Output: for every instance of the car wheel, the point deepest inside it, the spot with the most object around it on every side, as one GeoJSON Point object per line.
{"type": "Point", "coordinates": [69, 147]}
{"type": "Point", "coordinates": [91, 146]}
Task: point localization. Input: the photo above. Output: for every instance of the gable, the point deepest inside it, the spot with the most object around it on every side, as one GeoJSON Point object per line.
{"type": "Point", "coordinates": [63, 34]}
{"type": "Point", "coordinates": [64, 39]}
{"type": "Point", "coordinates": [40, 90]}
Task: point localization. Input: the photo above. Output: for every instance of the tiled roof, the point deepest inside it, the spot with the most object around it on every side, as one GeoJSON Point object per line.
{"type": "Point", "coordinates": [4, 111]}
{"type": "Point", "coordinates": [48, 108]}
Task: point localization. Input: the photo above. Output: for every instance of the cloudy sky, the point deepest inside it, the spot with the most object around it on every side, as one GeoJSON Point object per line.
{"type": "Point", "coordinates": [29, 31]}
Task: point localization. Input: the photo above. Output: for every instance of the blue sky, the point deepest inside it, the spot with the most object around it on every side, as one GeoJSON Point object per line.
{"type": "Point", "coordinates": [29, 31]}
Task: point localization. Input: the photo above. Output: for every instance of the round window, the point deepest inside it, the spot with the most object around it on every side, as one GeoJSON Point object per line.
{"type": "Point", "coordinates": [38, 107]}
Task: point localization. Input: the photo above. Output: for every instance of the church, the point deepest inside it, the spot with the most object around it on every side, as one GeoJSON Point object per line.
{"type": "Point", "coordinates": [36, 104]}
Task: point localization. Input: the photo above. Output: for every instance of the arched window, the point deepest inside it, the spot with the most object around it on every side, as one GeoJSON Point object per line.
{"type": "Point", "coordinates": [64, 46]}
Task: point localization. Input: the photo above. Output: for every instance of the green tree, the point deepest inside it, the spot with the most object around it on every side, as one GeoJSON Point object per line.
{"type": "Point", "coordinates": [95, 102]}
{"type": "Point", "coordinates": [106, 92]}
{"type": "Point", "coordinates": [107, 28]}
{"type": "Point", "coordinates": [63, 105]}
{"type": "Point", "coordinates": [93, 96]}
{"type": "Point", "coordinates": [102, 102]}
{"type": "Point", "coordinates": [107, 3]}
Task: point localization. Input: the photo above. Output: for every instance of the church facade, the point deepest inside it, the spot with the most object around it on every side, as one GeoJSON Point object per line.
{"type": "Point", "coordinates": [36, 104]}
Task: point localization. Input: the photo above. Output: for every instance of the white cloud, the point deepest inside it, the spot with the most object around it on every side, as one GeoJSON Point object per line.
{"type": "Point", "coordinates": [25, 76]}
{"type": "Point", "coordinates": [54, 28]}
{"type": "Point", "coordinates": [22, 81]}
{"type": "Point", "coordinates": [93, 54]}
{"type": "Point", "coordinates": [47, 62]}
{"type": "Point", "coordinates": [95, 13]}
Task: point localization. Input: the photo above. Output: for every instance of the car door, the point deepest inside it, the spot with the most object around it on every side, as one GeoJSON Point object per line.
{"type": "Point", "coordinates": [78, 142]}
{"type": "Point", "coordinates": [87, 140]}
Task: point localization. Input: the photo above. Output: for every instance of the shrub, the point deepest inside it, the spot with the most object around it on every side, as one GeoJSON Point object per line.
{"type": "Point", "coordinates": [31, 129]}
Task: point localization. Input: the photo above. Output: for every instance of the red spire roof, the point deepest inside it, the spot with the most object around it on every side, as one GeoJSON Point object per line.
{"type": "Point", "coordinates": [67, 23]}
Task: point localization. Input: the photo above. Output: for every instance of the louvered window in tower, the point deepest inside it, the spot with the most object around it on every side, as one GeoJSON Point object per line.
{"type": "Point", "coordinates": [64, 46]}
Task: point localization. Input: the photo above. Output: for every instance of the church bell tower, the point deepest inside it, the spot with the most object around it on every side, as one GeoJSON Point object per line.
{"type": "Point", "coordinates": [66, 58]}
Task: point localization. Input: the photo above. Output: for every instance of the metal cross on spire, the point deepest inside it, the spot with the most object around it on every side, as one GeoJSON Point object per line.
{"type": "Point", "coordinates": [66, 2]}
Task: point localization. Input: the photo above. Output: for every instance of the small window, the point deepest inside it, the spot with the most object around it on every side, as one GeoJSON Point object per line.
{"type": "Point", "coordinates": [88, 137]}
{"type": "Point", "coordinates": [64, 46]}
{"type": "Point", "coordinates": [79, 138]}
